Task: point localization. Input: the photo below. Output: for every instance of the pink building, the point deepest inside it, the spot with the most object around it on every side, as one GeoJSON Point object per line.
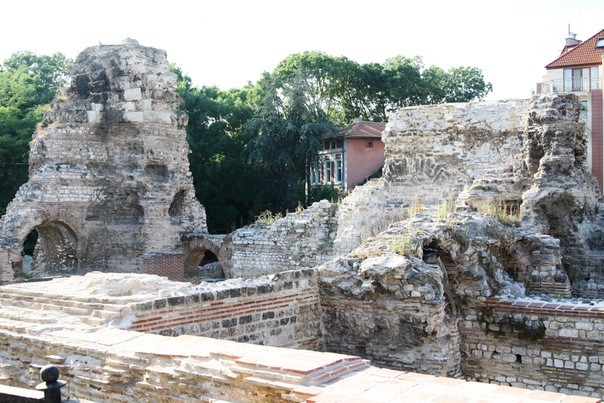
{"type": "Point", "coordinates": [579, 69]}
{"type": "Point", "coordinates": [350, 156]}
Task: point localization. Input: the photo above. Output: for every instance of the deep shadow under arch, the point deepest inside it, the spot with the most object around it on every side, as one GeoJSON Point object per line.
{"type": "Point", "coordinates": [56, 249]}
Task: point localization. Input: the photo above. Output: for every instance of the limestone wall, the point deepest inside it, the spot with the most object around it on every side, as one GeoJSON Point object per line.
{"type": "Point", "coordinates": [433, 154]}
{"type": "Point", "coordinates": [299, 240]}
{"type": "Point", "coordinates": [555, 345]}
{"type": "Point", "coordinates": [279, 310]}
{"type": "Point", "coordinates": [446, 147]}
{"type": "Point", "coordinates": [121, 366]}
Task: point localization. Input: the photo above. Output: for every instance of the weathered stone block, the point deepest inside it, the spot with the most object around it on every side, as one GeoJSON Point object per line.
{"type": "Point", "coordinates": [94, 116]}
{"type": "Point", "coordinates": [569, 332]}
{"type": "Point", "coordinates": [132, 94]}
{"type": "Point", "coordinates": [158, 117]}
{"type": "Point", "coordinates": [134, 117]}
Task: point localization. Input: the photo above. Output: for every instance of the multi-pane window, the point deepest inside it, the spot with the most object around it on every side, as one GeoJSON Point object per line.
{"type": "Point", "coordinates": [328, 171]}
{"type": "Point", "coordinates": [581, 79]}
{"type": "Point", "coordinates": [315, 177]}
{"type": "Point", "coordinates": [339, 171]}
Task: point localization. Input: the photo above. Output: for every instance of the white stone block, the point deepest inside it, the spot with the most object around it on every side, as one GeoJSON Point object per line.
{"type": "Point", "coordinates": [584, 326]}
{"type": "Point", "coordinates": [94, 116]}
{"type": "Point", "coordinates": [569, 333]}
{"type": "Point", "coordinates": [158, 117]}
{"type": "Point", "coordinates": [136, 117]}
{"type": "Point", "coordinates": [133, 94]}
{"type": "Point", "coordinates": [96, 107]}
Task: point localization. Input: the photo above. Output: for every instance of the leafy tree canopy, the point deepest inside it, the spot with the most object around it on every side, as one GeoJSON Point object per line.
{"type": "Point", "coordinates": [27, 83]}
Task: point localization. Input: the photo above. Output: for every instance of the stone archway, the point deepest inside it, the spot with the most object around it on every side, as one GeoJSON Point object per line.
{"type": "Point", "coordinates": [56, 250]}
{"type": "Point", "coordinates": [200, 250]}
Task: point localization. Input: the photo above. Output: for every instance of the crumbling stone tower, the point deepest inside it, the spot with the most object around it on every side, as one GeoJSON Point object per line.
{"type": "Point", "coordinates": [109, 184]}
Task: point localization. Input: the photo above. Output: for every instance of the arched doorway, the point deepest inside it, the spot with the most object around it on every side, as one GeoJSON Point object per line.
{"type": "Point", "coordinates": [203, 265]}
{"type": "Point", "coordinates": [52, 247]}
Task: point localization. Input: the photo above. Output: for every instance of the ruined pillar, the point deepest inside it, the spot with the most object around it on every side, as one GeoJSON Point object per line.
{"type": "Point", "coordinates": [109, 184]}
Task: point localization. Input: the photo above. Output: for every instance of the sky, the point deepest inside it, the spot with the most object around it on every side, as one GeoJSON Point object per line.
{"type": "Point", "coordinates": [229, 43]}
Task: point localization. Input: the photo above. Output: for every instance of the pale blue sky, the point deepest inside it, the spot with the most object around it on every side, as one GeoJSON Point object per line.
{"type": "Point", "coordinates": [229, 42]}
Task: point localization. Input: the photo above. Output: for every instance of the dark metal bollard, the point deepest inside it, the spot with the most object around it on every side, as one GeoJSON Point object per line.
{"type": "Point", "coordinates": [51, 385]}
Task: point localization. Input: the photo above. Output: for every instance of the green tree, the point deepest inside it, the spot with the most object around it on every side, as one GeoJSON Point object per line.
{"type": "Point", "coordinates": [286, 133]}
{"type": "Point", "coordinates": [27, 83]}
{"type": "Point", "coordinates": [464, 84]}
{"type": "Point", "coordinates": [223, 182]}
{"type": "Point", "coordinates": [404, 80]}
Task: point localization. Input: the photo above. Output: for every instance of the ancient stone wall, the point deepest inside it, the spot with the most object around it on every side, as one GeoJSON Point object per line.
{"type": "Point", "coordinates": [446, 147]}
{"type": "Point", "coordinates": [433, 153]}
{"type": "Point", "coordinates": [391, 311]}
{"type": "Point", "coordinates": [299, 240]}
{"type": "Point", "coordinates": [521, 161]}
{"type": "Point", "coordinates": [495, 200]}
{"type": "Point", "coordinates": [279, 310]}
{"type": "Point", "coordinates": [121, 366]}
{"type": "Point", "coordinates": [553, 345]}
{"type": "Point", "coordinates": [109, 176]}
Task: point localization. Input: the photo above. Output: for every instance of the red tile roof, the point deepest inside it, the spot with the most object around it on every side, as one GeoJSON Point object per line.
{"type": "Point", "coordinates": [364, 129]}
{"type": "Point", "coordinates": [584, 54]}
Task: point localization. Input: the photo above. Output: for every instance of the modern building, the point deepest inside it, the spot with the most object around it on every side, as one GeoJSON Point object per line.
{"type": "Point", "coordinates": [579, 69]}
{"type": "Point", "coordinates": [350, 156]}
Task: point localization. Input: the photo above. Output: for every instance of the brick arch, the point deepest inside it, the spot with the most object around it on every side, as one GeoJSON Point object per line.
{"type": "Point", "coordinates": [58, 237]}
{"type": "Point", "coordinates": [194, 250]}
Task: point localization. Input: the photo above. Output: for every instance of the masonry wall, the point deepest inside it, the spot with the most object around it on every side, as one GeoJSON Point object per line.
{"type": "Point", "coordinates": [165, 265]}
{"type": "Point", "coordinates": [109, 177]}
{"type": "Point", "coordinates": [391, 312]}
{"type": "Point", "coordinates": [299, 240]}
{"type": "Point", "coordinates": [448, 146]}
{"type": "Point", "coordinates": [537, 345]}
{"type": "Point", "coordinates": [122, 366]}
{"type": "Point", "coordinates": [279, 310]}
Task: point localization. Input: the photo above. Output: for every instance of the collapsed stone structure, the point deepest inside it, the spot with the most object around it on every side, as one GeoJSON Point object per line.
{"type": "Point", "coordinates": [479, 204]}
{"type": "Point", "coordinates": [427, 269]}
{"type": "Point", "coordinates": [109, 186]}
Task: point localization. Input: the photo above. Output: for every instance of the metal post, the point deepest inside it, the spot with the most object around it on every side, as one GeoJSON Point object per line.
{"type": "Point", "coordinates": [51, 385]}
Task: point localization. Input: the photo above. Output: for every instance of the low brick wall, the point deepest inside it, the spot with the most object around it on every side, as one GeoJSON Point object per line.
{"type": "Point", "coordinates": [301, 240]}
{"type": "Point", "coordinates": [278, 310]}
{"type": "Point", "coordinates": [166, 265]}
{"type": "Point", "coordinates": [538, 345]}
{"type": "Point", "coordinates": [111, 365]}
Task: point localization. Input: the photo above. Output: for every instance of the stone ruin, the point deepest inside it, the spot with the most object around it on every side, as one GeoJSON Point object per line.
{"type": "Point", "coordinates": [478, 255]}
{"type": "Point", "coordinates": [109, 184]}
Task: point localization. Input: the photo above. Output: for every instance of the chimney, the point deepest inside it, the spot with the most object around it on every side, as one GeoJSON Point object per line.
{"type": "Point", "coordinates": [571, 40]}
